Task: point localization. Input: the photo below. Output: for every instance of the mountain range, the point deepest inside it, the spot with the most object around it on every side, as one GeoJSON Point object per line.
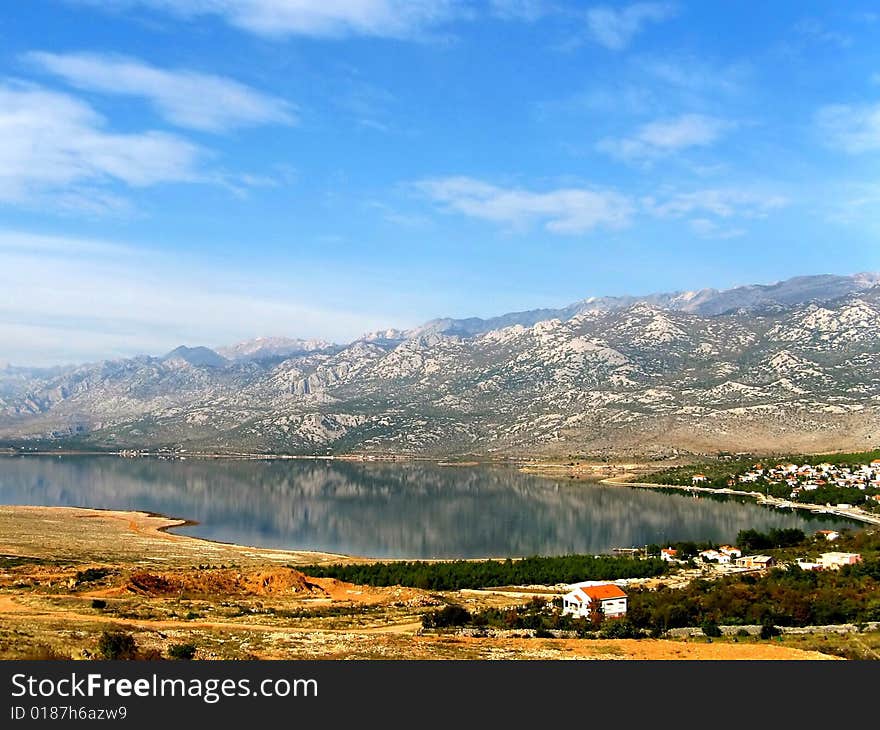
{"type": "Point", "coordinates": [792, 366]}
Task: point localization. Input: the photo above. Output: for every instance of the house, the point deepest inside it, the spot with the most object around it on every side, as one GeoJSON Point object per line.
{"type": "Point", "coordinates": [584, 597]}
{"type": "Point", "coordinates": [668, 554]}
{"type": "Point", "coordinates": [730, 551]}
{"type": "Point", "coordinates": [834, 561]}
{"type": "Point", "coordinates": [829, 535]}
{"type": "Point", "coordinates": [714, 556]}
{"type": "Point", "coordinates": [698, 479]}
{"type": "Point", "coordinates": [755, 562]}
{"type": "Point", "coordinates": [807, 564]}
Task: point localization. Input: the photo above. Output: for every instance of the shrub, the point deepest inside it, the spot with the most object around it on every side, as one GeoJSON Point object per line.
{"type": "Point", "coordinates": [91, 574]}
{"type": "Point", "coordinates": [99, 603]}
{"type": "Point", "coordinates": [182, 651]}
{"type": "Point", "coordinates": [621, 629]}
{"type": "Point", "coordinates": [711, 629]}
{"type": "Point", "coordinates": [44, 652]}
{"type": "Point", "coordinates": [450, 615]}
{"type": "Point", "coordinates": [768, 631]}
{"type": "Point", "coordinates": [117, 645]}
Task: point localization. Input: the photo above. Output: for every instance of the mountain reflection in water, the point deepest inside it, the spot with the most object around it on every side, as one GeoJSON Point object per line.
{"type": "Point", "coordinates": [389, 510]}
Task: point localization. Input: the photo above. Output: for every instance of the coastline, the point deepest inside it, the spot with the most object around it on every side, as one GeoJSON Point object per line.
{"type": "Point", "coordinates": [130, 536]}
{"type": "Point", "coordinates": [851, 513]}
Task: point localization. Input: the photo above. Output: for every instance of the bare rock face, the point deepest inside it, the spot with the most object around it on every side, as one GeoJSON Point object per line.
{"type": "Point", "coordinates": [792, 366]}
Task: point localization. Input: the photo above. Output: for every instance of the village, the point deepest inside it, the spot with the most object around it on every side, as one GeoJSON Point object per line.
{"type": "Point", "coordinates": [808, 477]}
{"type": "Point", "coordinates": [585, 598]}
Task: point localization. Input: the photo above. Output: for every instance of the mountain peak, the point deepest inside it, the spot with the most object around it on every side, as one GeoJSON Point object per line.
{"type": "Point", "coordinates": [196, 356]}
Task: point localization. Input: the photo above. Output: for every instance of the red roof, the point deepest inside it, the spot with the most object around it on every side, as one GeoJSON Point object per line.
{"type": "Point", "coordinates": [603, 592]}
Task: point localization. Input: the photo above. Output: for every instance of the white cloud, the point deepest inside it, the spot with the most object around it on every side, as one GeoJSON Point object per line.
{"type": "Point", "coordinates": [561, 211]}
{"type": "Point", "coordinates": [185, 98]}
{"type": "Point", "coordinates": [852, 128]}
{"type": "Point", "coordinates": [328, 19]}
{"type": "Point", "coordinates": [518, 9]}
{"type": "Point", "coordinates": [710, 229]}
{"type": "Point", "coordinates": [72, 300]}
{"type": "Point", "coordinates": [665, 136]}
{"type": "Point", "coordinates": [719, 202]}
{"type": "Point", "coordinates": [614, 29]}
{"type": "Point", "coordinates": [53, 144]}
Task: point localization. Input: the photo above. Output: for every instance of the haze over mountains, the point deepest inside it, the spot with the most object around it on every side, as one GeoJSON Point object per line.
{"type": "Point", "coordinates": [788, 366]}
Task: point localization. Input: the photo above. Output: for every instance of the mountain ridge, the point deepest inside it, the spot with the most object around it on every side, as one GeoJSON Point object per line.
{"type": "Point", "coordinates": [787, 369]}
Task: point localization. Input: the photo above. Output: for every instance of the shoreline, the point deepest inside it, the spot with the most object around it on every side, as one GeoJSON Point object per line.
{"type": "Point", "coordinates": [155, 529]}
{"type": "Point", "coordinates": [851, 513]}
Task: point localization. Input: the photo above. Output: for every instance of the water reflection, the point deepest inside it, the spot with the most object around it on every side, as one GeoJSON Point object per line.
{"type": "Point", "coordinates": [383, 510]}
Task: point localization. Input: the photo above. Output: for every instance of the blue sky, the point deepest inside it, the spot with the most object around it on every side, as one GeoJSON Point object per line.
{"type": "Point", "coordinates": [205, 171]}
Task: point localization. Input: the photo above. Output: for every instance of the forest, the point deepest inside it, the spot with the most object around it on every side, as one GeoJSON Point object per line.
{"type": "Point", "coordinates": [457, 574]}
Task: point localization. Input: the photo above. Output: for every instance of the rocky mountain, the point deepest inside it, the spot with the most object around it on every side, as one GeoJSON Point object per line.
{"type": "Point", "coordinates": [788, 367]}
{"type": "Point", "coordinates": [265, 348]}
{"type": "Point", "coordinates": [196, 356]}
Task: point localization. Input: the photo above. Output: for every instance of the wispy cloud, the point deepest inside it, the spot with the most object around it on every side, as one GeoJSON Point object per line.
{"type": "Point", "coordinates": [707, 228]}
{"type": "Point", "coordinates": [562, 211]}
{"type": "Point", "coordinates": [615, 28]}
{"type": "Point", "coordinates": [719, 202]}
{"type": "Point", "coordinates": [814, 30]}
{"type": "Point", "coordinates": [72, 300]}
{"type": "Point", "coordinates": [185, 98]}
{"type": "Point", "coordinates": [54, 144]}
{"type": "Point", "coordinates": [665, 136]}
{"type": "Point", "coordinates": [519, 9]}
{"type": "Point", "coordinates": [852, 128]}
{"type": "Point", "coordinates": [330, 19]}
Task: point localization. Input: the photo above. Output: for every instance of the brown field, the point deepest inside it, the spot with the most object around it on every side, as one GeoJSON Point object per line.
{"type": "Point", "coordinates": [239, 602]}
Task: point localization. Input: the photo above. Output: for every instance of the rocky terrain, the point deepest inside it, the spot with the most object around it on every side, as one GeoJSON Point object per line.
{"type": "Point", "coordinates": [791, 366]}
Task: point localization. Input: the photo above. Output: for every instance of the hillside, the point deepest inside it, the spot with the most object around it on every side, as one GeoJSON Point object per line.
{"type": "Point", "coordinates": [792, 367]}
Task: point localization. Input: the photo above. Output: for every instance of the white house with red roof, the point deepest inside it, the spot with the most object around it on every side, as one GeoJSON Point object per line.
{"type": "Point", "coordinates": [584, 597]}
{"type": "Point", "coordinates": [669, 555]}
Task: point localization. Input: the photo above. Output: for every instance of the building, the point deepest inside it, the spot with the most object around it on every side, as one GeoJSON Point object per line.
{"type": "Point", "coordinates": [714, 556]}
{"type": "Point", "coordinates": [584, 597]}
{"type": "Point", "coordinates": [834, 561]}
{"type": "Point", "coordinates": [698, 479]}
{"type": "Point", "coordinates": [669, 555]}
{"type": "Point", "coordinates": [829, 535]}
{"type": "Point", "coordinates": [755, 562]}
{"type": "Point", "coordinates": [730, 551]}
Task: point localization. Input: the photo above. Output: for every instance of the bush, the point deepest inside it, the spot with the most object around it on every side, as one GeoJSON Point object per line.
{"type": "Point", "coordinates": [743, 633]}
{"type": "Point", "coordinates": [99, 603]}
{"type": "Point", "coordinates": [451, 615]}
{"type": "Point", "coordinates": [117, 645]}
{"type": "Point", "coordinates": [711, 629]}
{"type": "Point", "coordinates": [182, 651]}
{"type": "Point", "coordinates": [44, 652]}
{"type": "Point", "coordinates": [91, 574]}
{"type": "Point", "coordinates": [621, 629]}
{"type": "Point", "coordinates": [768, 631]}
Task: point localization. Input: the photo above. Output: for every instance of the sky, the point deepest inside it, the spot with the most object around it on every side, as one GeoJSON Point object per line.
{"type": "Point", "coordinates": [206, 171]}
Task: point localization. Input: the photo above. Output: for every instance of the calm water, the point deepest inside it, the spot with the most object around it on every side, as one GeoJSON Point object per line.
{"type": "Point", "coordinates": [384, 510]}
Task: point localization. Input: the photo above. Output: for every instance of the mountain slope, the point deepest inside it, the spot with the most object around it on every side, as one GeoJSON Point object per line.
{"type": "Point", "coordinates": [639, 379]}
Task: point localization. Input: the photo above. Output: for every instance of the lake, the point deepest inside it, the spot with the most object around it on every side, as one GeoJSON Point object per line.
{"type": "Point", "coordinates": [385, 510]}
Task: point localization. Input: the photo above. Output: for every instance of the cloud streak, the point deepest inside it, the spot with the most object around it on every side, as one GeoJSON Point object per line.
{"type": "Point", "coordinates": [565, 211]}
{"type": "Point", "coordinates": [54, 144]}
{"type": "Point", "coordinates": [329, 19]}
{"type": "Point", "coordinates": [185, 98]}
{"type": "Point", "coordinates": [68, 300]}
{"type": "Point", "coordinates": [665, 137]}
{"type": "Point", "coordinates": [615, 29]}
{"type": "Point", "coordinates": [852, 128]}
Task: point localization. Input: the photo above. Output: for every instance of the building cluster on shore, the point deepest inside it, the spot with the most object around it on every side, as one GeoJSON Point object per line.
{"type": "Point", "coordinates": [810, 477]}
